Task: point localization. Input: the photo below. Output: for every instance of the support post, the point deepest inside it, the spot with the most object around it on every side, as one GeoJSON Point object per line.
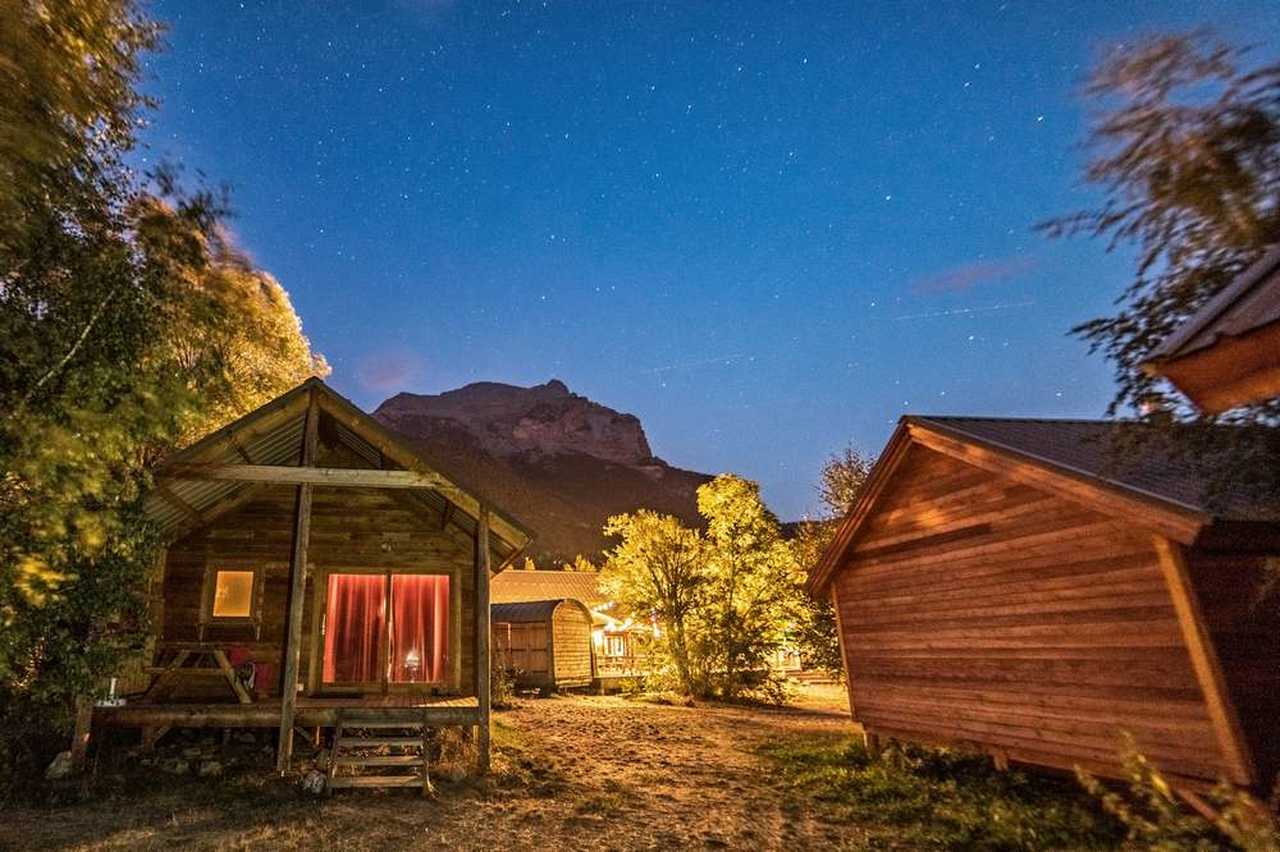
{"type": "Point", "coordinates": [1204, 661]}
{"type": "Point", "coordinates": [84, 726]}
{"type": "Point", "coordinates": [482, 639]}
{"type": "Point", "coordinates": [297, 590]}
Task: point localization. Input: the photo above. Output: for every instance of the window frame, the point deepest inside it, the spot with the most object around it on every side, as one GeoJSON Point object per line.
{"type": "Point", "coordinates": [254, 618]}
{"type": "Point", "coordinates": [318, 577]}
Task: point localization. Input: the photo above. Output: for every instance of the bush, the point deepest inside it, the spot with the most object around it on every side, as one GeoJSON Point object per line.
{"type": "Point", "coordinates": [502, 684]}
{"type": "Point", "coordinates": [1155, 819]}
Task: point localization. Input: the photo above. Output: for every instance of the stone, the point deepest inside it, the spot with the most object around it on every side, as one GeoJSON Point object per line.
{"type": "Point", "coordinates": [209, 769]}
{"type": "Point", "coordinates": [313, 782]}
{"type": "Point", "coordinates": [61, 767]}
{"type": "Point", "coordinates": [247, 738]}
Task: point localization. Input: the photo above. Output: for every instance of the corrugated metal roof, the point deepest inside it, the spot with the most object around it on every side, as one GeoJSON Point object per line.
{"type": "Point", "coordinates": [515, 585]}
{"type": "Point", "coordinates": [176, 502]}
{"type": "Point", "coordinates": [1114, 452]}
{"type": "Point", "coordinates": [1249, 302]}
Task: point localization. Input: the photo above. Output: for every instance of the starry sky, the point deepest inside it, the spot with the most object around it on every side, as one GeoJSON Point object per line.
{"type": "Point", "coordinates": [765, 228]}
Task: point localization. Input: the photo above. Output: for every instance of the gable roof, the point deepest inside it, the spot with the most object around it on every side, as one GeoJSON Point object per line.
{"type": "Point", "coordinates": [1074, 458]}
{"type": "Point", "coordinates": [272, 435]}
{"type": "Point", "coordinates": [518, 586]}
{"type": "Point", "coordinates": [1248, 303]}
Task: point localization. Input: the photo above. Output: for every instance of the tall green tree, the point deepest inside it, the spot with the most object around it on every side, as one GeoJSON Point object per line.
{"type": "Point", "coordinates": [1185, 147]}
{"type": "Point", "coordinates": [128, 324]}
{"type": "Point", "coordinates": [814, 628]}
{"type": "Point", "coordinates": [658, 570]}
{"type": "Point", "coordinates": [750, 575]}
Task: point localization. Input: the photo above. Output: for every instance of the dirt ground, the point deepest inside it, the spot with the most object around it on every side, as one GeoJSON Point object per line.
{"type": "Point", "coordinates": [580, 772]}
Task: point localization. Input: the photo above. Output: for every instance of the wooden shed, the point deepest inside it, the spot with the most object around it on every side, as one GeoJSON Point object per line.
{"type": "Point", "coordinates": [1011, 585]}
{"type": "Point", "coordinates": [1228, 353]}
{"type": "Point", "coordinates": [621, 645]}
{"type": "Point", "coordinates": [547, 643]}
{"type": "Point", "coordinates": [318, 571]}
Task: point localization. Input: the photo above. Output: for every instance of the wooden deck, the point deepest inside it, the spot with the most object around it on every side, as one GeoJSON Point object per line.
{"type": "Point", "coordinates": [308, 712]}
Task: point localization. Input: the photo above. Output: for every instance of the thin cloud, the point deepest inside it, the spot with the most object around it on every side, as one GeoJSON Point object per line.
{"type": "Point", "coordinates": [966, 276]}
{"type": "Point", "coordinates": [388, 370]}
{"type": "Point", "coordinates": [961, 312]}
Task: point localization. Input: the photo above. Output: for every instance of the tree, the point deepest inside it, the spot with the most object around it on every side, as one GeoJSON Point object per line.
{"type": "Point", "coordinates": [1185, 146]}
{"type": "Point", "coordinates": [814, 629]}
{"type": "Point", "coordinates": [657, 569]}
{"type": "Point", "coordinates": [750, 574]}
{"type": "Point", "coordinates": [840, 483]}
{"type": "Point", "coordinates": [128, 324]}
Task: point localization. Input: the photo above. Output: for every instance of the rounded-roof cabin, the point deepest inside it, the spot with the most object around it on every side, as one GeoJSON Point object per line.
{"type": "Point", "coordinates": [546, 643]}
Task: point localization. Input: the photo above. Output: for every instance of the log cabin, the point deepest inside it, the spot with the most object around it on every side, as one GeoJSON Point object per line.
{"type": "Point", "coordinates": [619, 642]}
{"type": "Point", "coordinates": [547, 644]}
{"type": "Point", "coordinates": [1227, 354]}
{"type": "Point", "coordinates": [318, 573]}
{"type": "Point", "coordinates": [1011, 586]}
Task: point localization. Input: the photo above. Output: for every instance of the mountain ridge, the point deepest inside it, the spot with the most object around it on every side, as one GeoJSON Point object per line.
{"type": "Point", "coordinates": [559, 461]}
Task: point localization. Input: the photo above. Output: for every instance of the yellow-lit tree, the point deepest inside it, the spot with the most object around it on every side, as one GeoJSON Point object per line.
{"type": "Point", "coordinates": [657, 569]}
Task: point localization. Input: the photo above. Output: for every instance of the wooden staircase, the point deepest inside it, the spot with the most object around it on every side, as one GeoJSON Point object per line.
{"type": "Point", "coordinates": [396, 750]}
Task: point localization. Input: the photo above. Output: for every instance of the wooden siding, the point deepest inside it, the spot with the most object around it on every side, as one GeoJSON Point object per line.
{"type": "Point", "coordinates": [526, 649]}
{"type": "Point", "coordinates": [350, 529]}
{"type": "Point", "coordinates": [571, 641]}
{"type": "Point", "coordinates": [1244, 624]}
{"type": "Point", "coordinates": [976, 609]}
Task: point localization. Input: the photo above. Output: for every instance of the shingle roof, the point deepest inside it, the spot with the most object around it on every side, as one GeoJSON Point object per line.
{"type": "Point", "coordinates": [1114, 453]}
{"type": "Point", "coordinates": [518, 586]}
{"type": "Point", "coordinates": [1249, 302]}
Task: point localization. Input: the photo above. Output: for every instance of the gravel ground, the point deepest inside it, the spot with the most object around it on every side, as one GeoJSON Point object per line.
{"type": "Point", "coordinates": [579, 772]}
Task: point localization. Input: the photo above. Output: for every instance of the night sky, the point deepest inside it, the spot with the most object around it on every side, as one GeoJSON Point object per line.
{"type": "Point", "coordinates": [765, 228]}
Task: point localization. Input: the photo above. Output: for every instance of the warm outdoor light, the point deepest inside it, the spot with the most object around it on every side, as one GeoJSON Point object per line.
{"type": "Point", "coordinates": [233, 594]}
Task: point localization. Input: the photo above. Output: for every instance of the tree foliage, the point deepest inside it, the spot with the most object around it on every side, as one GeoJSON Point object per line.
{"type": "Point", "coordinates": [657, 569]}
{"type": "Point", "coordinates": [750, 575]}
{"type": "Point", "coordinates": [814, 629]}
{"type": "Point", "coordinates": [722, 599]}
{"type": "Point", "coordinates": [1185, 146]}
{"type": "Point", "coordinates": [129, 323]}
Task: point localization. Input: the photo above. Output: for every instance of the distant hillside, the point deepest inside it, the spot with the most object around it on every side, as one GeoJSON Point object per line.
{"type": "Point", "coordinates": [557, 460]}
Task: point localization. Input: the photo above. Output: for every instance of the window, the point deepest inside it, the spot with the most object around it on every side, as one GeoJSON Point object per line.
{"type": "Point", "coordinates": [386, 628]}
{"type": "Point", "coordinates": [233, 594]}
{"type": "Point", "coordinates": [232, 597]}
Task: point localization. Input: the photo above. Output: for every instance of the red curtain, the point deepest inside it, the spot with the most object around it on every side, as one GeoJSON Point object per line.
{"type": "Point", "coordinates": [419, 628]}
{"type": "Point", "coordinates": [354, 625]}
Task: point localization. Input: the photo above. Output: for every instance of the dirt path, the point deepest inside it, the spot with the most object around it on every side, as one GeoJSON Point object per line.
{"type": "Point", "coordinates": [570, 773]}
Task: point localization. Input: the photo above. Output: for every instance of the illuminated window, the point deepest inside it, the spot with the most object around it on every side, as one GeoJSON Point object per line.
{"type": "Point", "coordinates": [233, 594]}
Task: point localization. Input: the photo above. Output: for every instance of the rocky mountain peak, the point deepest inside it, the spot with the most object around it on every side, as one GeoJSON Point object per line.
{"type": "Point", "coordinates": [507, 421]}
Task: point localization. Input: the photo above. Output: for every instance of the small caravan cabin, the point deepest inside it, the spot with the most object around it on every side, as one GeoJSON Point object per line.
{"type": "Point", "coordinates": [318, 570]}
{"type": "Point", "coordinates": [620, 644]}
{"type": "Point", "coordinates": [1017, 587]}
{"type": "Point", "coordinates": [1227, 354]}
{"type": "Point", "coordinates": [546, 643]}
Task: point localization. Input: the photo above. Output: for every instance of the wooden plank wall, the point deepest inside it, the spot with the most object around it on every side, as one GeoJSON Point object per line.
{"type": "Point", "coordinates": [571, 635]}
{"type": "Point", "coordinates": [352, 528]}
{"type": "Point", "coordinates": [528, 650]}
{"type": "Point", "coordinates": [1244, 624]}
{"type": "Point", "coordinates": [979, 610]}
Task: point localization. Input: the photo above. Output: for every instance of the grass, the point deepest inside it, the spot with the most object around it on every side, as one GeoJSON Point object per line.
{"type": "Point", "coordinates": [918, 797]}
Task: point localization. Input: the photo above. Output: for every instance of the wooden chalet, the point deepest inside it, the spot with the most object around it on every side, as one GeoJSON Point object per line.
{"type": "Point", "coordinates": [547, 644]}
{"type": "Point", "coordinates": [1010, 585]}
{"type": "Point", "coordinates": [319, 574]}
{"type": "Point", "coordinates": [1228, 353]}
{"type": "Point", "coordinates": [619, 643]}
